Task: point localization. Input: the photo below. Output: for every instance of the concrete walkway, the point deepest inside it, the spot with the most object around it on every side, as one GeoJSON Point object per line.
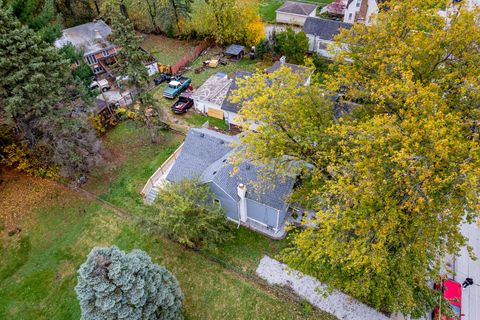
{"type": "Point", "coordinates": [337, 303]}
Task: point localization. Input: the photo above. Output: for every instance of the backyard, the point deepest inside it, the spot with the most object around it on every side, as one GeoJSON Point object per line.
{"type": "Point", "coordinates": [41, 256]}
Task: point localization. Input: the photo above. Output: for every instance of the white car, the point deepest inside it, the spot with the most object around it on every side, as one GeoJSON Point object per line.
{"type": "Point", "coordinates": [101, 85]}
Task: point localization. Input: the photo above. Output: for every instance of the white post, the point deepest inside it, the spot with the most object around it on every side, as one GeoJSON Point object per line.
{"type": "Point", "coordinates": [242, 191]}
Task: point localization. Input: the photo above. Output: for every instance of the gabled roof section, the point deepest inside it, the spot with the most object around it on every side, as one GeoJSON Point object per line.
{"type": "Point", "coordinates": [323, 28]}
{"type": "Point", "coordinates": [234, 49]}
{"type": "Point", "coordinates": [205, 154]}
{"type": "Point", "coordinates": [201, 148]}
{"type": "Point", "coordinates": [299, 8]}
{"type": "Point", "coordinates": [89, 37]}
{"type": "Point", "coordinates": [213, 90]}
{"type": "Point", "coordinates": [230, 106]}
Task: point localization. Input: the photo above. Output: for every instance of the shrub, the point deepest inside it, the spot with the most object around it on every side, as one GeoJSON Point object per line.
{"type": "Point", "coordinates": [186, 211]}
{"type": "Point", "coordinates": [116, 285]}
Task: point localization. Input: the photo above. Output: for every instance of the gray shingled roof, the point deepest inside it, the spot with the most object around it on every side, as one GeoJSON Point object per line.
{"type": "Point", "coordinates": [297, 8]}
{"type": "Point", "coordinates": [207, 157]}
{"type": "Point", "coordinates": [201, 148]}
{"type": "Point", "coordinates": [323, 28]}
{"type": "Point", "coordinates": [234, 49]}
{"type": "Point", "coordinates": [227, 104]}
{"type": "Point", "coordinates": [83, 38]}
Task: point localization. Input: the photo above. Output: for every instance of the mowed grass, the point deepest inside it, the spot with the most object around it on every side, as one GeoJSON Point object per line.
{"type": "Point", "coordinates": [198, 120]}
{"type": "Point", "coordinates": [38, 267]}
{"type": "Point", "coordinates": [267, 8]}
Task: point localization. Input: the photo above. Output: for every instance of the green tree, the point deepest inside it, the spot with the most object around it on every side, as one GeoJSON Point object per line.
{"type": "Point", "coordinates": [393, 166]}
{"type": "Point", "coordinates": [293, 45]}
{"type": "Point", "coordinates": [39, 15]}
{"type": "Point", "coordinates": [228, 21]}
{"type": "Point", "coordinates": [186, 211]}
{"type": "Point", "coordinates": [116, 285]}
{"type": "Point", "coordinates": [80, 69]}
{"type": "Point", "coordinates": [41, 104]}
{"type": "Point", "coordinates": [130, 64]}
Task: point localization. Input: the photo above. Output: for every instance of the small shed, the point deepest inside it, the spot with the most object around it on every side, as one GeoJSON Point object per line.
{"type": "Point", "coordinates": [235, 51]}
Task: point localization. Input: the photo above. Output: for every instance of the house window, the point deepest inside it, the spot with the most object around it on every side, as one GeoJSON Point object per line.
{"type": "Point", "coordinates": [97, 70]}
{"type": "Point", "coordinates": [350, 15]}
{"type": "Point", "coordinates": [91, 59]}
{"type": "Point", "coordinates": [358, 3]}
{"type": "Point", "coordinates": [105, 53]}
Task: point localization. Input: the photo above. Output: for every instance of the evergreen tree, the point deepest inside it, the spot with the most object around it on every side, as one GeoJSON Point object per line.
{"type": "Point", "coordinates": [130, 64]}
{"type": "Point", "coordinates": [41, 103]}
{"type": "Point", "coordinates": [116, 285]}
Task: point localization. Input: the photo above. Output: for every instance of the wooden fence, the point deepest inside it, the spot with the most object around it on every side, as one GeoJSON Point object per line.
{"type": "Point", "coordinates": [186, 59]}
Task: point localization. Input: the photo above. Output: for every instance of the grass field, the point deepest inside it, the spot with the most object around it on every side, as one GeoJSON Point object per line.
{"type": "Point", "coordinates": [58, 228]}
{"type": "Point", "coordinates": [166, 50]}
{"type": "Point", "coordinates": [267, 8]}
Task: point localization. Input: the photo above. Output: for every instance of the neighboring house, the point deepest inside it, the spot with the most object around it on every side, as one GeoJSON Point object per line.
{"type": "Point", "coordinates": [361, 11]}
{"type": "Point", "coordinates": [295, 12]}
{"type": "Point", "coordinates": [247, 199]}
{"type": "Point", "coordinates": [231, 109]}
{"type": "Point", "coordinates": [295, 68]}
{"type": "Point", "coordinates": [321, 33]}
{"type": "Point", "coordinates": [209, 97]}
{"type": "Point", "coordinates": [92, 39]}
{"type": "Point", "coordinates": [98, 52]}
{"type": "Point", "coordinates": [335, 9]}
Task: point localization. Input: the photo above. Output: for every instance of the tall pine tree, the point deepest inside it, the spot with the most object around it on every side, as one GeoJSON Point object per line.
{"type": "Point", "coordinates": [40, 104]}
{"type": "Point", "coordinates": [130, 64]}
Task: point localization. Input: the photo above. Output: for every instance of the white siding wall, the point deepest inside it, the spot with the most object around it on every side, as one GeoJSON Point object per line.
{"type": "Point", "coordinates": [352, 10]}
{"type": "Point", "coordinates": [203, 106]}
{"type": "Point", "coordinates": [289, 18]}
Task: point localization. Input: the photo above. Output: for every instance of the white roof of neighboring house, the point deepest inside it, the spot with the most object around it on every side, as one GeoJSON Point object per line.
{"type": "Point", "coordinates": [213, 90]}
{"type": "Point", "coordinates": [299, 8]}
{"type": "Point", "coordinates": [89, 37]}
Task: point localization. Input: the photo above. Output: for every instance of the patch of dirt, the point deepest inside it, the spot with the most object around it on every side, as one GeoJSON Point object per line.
{"type": "Point", "coordinates": [19, 194]}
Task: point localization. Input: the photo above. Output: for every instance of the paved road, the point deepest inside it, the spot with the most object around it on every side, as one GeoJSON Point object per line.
{"type": "Point", "coordinates": [467, 268]}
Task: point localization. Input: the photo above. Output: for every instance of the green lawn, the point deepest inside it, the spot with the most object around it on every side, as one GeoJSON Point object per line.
{"type": "Point", "coordinates": [267, 8]}
{"type": "Point", "coordinates": [38, 269]}
{"type": "Point", "coordinates": [198, 120]}
{"type": "Point", "coordinates": [38, 266]}
{"type": "Point", "coordinates": [166, 50]}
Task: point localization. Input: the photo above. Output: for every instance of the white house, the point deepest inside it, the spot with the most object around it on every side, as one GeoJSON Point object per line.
{"type": "Point", "coordinates": [361, 11]}
{"type": "Point", "coordinates": [209, 97]}
{"type": "Point", "coordinates": [321, 33]}
{"type": "Point", "coordinates": [295, 12]}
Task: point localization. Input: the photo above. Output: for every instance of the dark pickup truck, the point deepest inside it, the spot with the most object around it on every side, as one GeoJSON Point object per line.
{"type": "Point", "coordinates": [183, 103]}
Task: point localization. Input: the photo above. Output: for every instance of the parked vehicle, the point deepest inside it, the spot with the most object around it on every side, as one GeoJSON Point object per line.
{"type": "Point", "coordinates": [177, 86]}
{"type": "Point", "coordinates": [183, 103]}
{"type": "Point", "coordinates": [101, 85]}
{"type": "Point", "coordinates": [452, 292]}
{"type": "Point", "coordinates": [162, 78]}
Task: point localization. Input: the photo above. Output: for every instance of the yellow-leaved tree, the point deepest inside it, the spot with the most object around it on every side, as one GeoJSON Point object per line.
{"type": "Point", "coordinates": [228, 21]}
{"type": "Point", "coordinates": [393, 162]}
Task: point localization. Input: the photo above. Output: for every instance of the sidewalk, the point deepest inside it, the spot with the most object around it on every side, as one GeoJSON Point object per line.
{"type": "Point", "coordinates": [337, 303]}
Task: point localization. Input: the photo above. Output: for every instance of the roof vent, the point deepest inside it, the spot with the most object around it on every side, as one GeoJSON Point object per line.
{"type": "Point", "coordinates": [214, 173]}
{"type": "Point", "coordinates": [224, 160]}
{"type": "Point", "coordinates": [98, 36]}
{"type": "Point", "coordinates": [247, 167]}
{"type": "Point", "coordinates": [222, 142]}
{"type": "Point", "coordinates": [202, 135]}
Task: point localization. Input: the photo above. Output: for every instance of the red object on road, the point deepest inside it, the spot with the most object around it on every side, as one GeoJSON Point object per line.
{"type": "Point", "coordinates": [452, 292]}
